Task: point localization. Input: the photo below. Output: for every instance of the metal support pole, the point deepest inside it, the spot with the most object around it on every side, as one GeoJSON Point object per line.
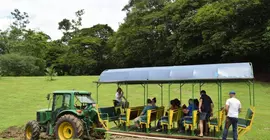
{"type": "Point", "coordinates": [144, 94]}
{"type": "Point", "coordinates": [193, 84]}
{"type": "Point", "coordinates": [200, 87]}
{"type": "Point", "coordinates": [147, 91]}
{"type": "Point", "coordinates": [169, 98]}
{"type": "Point", "coordinates": [161, 92]}
{"type": "Point", "coordinates": [218, 97]}
{"type": "Point", "coordinates": [180, 88]}
{"type": "Point", "coordinates": [249, 93]}
{"type": "Point", "coordinates": [143, 85]}
{"type": "Point", "coordinates": [97, 91]}
{"type": "Point", "coordinates": [253, 93]}
{"type": "Point", "coordinates": [220, 94]}
{"type": "Point", "coordinates": [181, 85]}
{"type": "Point", "coordinates": [126, 91]}
{"type": "Point", "coordinates": [193, 105]}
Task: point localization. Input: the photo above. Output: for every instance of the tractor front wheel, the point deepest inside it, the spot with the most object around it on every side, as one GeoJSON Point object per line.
{"type": "Point", "coordinates": [68, 127]}
{"type": "Point", "coordinates": [32, 130]}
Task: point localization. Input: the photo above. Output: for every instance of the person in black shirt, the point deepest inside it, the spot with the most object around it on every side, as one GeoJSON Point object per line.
{"type": "Point", "coordinates": [206, 110]}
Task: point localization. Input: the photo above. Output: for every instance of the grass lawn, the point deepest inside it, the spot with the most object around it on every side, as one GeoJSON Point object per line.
{"type": "Point", "coordinates": [22, 96]}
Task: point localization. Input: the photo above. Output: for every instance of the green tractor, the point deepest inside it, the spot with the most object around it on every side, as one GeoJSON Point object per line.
{"type": "Point", "coordinates": [72, 115]}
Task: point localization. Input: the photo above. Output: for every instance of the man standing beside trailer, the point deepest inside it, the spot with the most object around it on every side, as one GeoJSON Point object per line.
{"type": "Point", "coordinates": [233, 108]}
{"type": "Point", "coordinates": [206, 110]}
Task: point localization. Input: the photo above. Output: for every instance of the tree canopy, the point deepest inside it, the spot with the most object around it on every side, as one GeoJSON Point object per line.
{"type": "Point", "coordinates": [154, 33]}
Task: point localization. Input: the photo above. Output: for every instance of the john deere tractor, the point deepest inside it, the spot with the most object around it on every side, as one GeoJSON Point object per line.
{"type": "Point", "coordinates": [71, 114]}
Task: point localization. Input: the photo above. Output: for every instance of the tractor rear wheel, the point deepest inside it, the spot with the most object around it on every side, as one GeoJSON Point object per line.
{"type": "Point", "coordinates": [68, 127]}
{"type": "Point", "coordinates": [32, 130]}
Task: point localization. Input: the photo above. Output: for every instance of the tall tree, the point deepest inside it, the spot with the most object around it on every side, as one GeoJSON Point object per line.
{"type": "Point", "coordinates": [70, 28]}
{"type": "Point", "coordinates": [89, 50]}
{"type": "Point", "coordinates": [21, 19]}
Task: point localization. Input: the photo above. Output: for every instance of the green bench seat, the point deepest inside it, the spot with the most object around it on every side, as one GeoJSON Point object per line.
{"type": "Point", "coordinates": [108, 114]}
{"type": "Point", "coordinates": [188, 121]}
{"type": "Point", "coordinates": [213, 121]}
{"type": "Point", "coordinates": [244, 124]}
{"type": "Point", "coordinates": [131, 114]}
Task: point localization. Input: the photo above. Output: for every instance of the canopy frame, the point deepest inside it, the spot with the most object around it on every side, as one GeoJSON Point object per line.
{"type": "Point", "coordinates": [201, 81]}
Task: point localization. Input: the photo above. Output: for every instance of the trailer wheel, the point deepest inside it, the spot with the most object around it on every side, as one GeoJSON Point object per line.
{"type": "Point", "coordinates": [32, 130]}
{"type": "Point", "coordinates": [68, 127]}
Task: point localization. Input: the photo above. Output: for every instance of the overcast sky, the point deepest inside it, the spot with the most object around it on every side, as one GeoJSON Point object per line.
{"type": "Point", "coordinates": [45, 14]}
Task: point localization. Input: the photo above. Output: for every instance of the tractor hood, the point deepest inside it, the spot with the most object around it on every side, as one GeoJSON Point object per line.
{"type": "Point", "coordinates": [44, 110]}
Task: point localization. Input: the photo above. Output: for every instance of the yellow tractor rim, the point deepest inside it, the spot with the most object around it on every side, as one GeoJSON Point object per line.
{"type": "Point", "coordinates": [65, 131]}
{"type": "Point", "coordinates": [28, 132]}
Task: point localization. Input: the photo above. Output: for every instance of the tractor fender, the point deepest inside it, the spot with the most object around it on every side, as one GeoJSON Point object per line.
{"type": "Point", "coordinates": [73, 112]}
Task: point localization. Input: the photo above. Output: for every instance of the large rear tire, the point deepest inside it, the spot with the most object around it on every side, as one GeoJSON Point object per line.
{"type": "Point", "coordinates": [32, 130]}
{"type": "Point", "coordinates": [68, 127]}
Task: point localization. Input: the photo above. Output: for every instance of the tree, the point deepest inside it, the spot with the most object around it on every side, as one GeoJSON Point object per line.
{"type": "Point", "coordinates": [55, 56]}
{"type": "Point", "coordinates": [192, 32]}
{"type": "Point", "coordinates": [1, 73]}
{"type": "Point", "coordinates": [70, 28]}
{"type": "Point", "coordinates": [65, 26]}
{"type": "Point", "coordinates": [21, 19]}
{"type": "Point", "coordinates": [76, 24]}
{"type": "Point", "coordinates": [50, 72]}
{"type": "Point", "coordinates": [88, 53]}
{"type": "Point", "coordinates": [18, 65]}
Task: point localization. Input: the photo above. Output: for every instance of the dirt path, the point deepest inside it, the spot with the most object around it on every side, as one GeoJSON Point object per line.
{"type": "Point", "coordinates": [17, 133]}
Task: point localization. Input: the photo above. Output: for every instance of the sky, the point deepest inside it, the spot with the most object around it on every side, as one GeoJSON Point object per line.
{"type": "Point", "coordinates": [45, 14]}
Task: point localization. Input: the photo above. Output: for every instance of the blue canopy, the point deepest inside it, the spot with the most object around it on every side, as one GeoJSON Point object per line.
{"type": "Point", "coordinates": [186, 73]}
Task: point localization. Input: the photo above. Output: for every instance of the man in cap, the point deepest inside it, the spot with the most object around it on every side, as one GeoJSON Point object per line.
{"type": "Point", "coordinates": [233, 108]}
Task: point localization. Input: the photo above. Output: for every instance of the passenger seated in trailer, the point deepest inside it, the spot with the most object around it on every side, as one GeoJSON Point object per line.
{"type": "Point", "coordinates": [154, 101]}
{"type": "Point", "coordinates": [118, 97]}
{"type": "Point", "coordinates": [184, 107]}
{"type": "Point", "coordinates": [196, 102]}
{"type": "Point", "coordinates": [172, 107]}
{"type": "Point", "coordinates": [188, 111]}
{"type": "Point", "coordinates": [177, 102]}
{"type": "Point", "coordinates": [143, 114]}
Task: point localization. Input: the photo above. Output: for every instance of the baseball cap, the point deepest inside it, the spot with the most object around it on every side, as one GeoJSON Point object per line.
{"type": "Point", "coordinates": [232, 92]}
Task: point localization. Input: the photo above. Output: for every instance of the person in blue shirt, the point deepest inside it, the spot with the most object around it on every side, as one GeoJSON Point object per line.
{"type": "Point", "coordinates": [144, 113]}
{"type": "Point", "coordinates": [188, 111]}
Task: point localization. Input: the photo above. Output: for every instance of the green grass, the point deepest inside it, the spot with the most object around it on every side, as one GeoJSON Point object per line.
{"type": "Point", "coordinates": [22, 96]}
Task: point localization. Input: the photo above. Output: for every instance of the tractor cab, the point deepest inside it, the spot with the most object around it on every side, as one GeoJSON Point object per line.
{"type": "Point", "coordinates": [70, 101]}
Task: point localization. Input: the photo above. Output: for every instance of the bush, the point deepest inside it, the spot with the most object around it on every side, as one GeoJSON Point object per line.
{"type": "Point", "coordinates": [50, 72]}
{"type": "Point", "coordinates": [18, 65]}
{"type": "Point", "coordinates": [0, 72]}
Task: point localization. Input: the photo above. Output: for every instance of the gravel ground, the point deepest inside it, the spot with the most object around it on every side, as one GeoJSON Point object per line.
{"type": "Point", "coordinates": [17, 133]}
{"type": "Point", "coordinates": [127, 138]}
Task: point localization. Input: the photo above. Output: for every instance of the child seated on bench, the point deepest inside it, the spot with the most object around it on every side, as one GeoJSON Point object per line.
{"type": "Point", "coordinates": [187, 113]}
{"type": "Point", "coordinates": [143, 114]}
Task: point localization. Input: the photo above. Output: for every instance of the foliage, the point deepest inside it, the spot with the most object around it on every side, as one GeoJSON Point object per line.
{"type": "Point", "coordinates": [1, 73]}
{"type": "Point", "coordinates": [154, 33]}
{"type": "Point", "coordinates": [192, 32]}
{"type": "Point", "coordinates": [70, 28]}
{"type": "Point", "coordinates": [50, 72]}
{"type": "Point", "coordinates": [18, 65]}
{"type": "Point", "coordinates": [88, 51]}
{"type": "Point", "coordinates": [21, 19]}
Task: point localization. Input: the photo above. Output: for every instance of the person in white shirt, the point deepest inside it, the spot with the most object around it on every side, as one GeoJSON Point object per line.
{"type": "Point", "coordinates": [119, 95]}
{"type": "Point", "coordinates": [233, 108]}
